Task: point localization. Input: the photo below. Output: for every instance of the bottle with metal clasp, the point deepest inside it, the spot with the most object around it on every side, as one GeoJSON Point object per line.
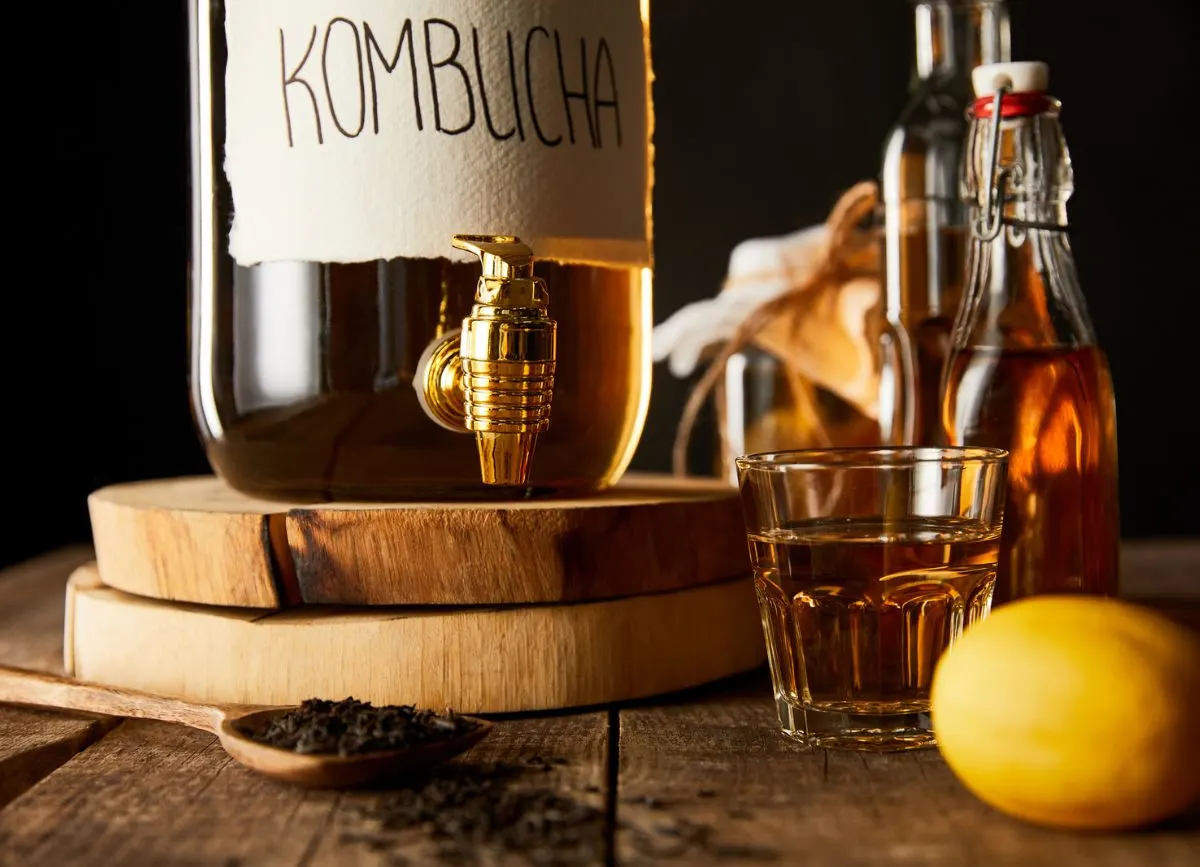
{"type": "Point", "coordinates": [1025, 372]}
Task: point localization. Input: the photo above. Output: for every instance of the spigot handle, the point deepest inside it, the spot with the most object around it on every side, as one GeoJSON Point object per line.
{"type": "Point", "coordinates": [502, 256]}
{"type": "Point", "coordinates": [497, 380]}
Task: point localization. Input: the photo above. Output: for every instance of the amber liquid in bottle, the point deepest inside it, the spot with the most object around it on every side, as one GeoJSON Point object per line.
{"type": "Point", "coordinates": [360, 431]}
{"type": "Point", "coordinates": [925, 220]}
{"type": "Point", "coordinates": [929, 321]}
{"type": "Point", "coordinates": [1053, 409]}
{"type": "Point", "coordinates": [1025, 372]}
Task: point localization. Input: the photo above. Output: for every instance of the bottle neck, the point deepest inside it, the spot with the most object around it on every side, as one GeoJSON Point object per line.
{"type": "Point", "coordinates": [1023, 293]}
{"type": "Point", "coordinates": [955, 36]}
{"type": "Point", "coordinates": [924, 221]}
{"type": "Point", "coordinates": [1019, 174]}
{"type": "Point", "coordinates": [1022, 289]}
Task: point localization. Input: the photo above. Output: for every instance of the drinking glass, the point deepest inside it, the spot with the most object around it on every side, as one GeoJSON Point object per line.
{"type": "Point", "coordinates": [868, 564]}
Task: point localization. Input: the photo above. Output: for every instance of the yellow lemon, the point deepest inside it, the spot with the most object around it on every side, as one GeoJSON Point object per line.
{"type": "Point", "coordinates": [1073, 712]}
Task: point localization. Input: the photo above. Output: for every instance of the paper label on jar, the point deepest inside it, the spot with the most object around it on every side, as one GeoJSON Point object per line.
{"type": "Point", "coordinates": [373, 129]}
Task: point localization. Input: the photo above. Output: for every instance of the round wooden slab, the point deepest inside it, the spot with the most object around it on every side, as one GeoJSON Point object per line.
{"type": "Point", "coordinates": [197, 540]}
{"type": "Point", "coordinates": [474, 660]}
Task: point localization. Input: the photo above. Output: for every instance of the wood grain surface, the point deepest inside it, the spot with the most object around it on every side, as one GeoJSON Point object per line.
{"type": "Point", "coordinates": [196, 540]}
{"type": "Point", "coordinates": [711, 781]}
{"type": "Point", "coordinates": [155, 794]}
{"type": "Point", "coordinates": [26, 687]}
{"type": "Point", "coordinates": [31, 609]}
{"type": "Point", "coordinates": [697, 778]}
{"type": "Point", "coordinates": [474, 659]}
{"type": "Point", "coordinates": [1164, 574]}
{"type": "Point", "coordinates": [35, 742]}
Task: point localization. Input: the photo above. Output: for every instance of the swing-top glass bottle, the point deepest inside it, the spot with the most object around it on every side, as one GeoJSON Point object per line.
{"type": "Point", "coordinates": [1025, 372]}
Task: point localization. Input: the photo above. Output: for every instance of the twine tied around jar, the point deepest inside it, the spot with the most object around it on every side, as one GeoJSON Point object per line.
{"type": "Point", "coordinates": [850, 255]}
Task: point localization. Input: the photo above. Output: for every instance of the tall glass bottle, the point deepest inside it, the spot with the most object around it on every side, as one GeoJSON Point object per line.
{"type": "Point", "coordinates": [924, 220]}
{"type": "Point", "coordinates": [1025, 372]}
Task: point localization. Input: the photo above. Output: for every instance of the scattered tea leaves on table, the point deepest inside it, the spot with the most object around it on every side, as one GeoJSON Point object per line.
{"type": "Point", "coordinates": [471, 811]}
{"type": "Point", "coordinates": [475, 814]}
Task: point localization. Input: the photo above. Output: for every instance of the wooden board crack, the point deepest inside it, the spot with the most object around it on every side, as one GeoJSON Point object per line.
{"type": "Point", "coordinates": [197, 540]}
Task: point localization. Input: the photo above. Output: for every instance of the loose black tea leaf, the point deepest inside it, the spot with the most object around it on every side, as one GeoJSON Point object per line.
{"type": "Point", "coordinates": [471, 814]}
{"type": "Point", "coordinates": [682, 838]}
{"type": "Point", "coordinates": [471, 810]}
{"type": "Point", "coordinates": [352, 727]}
{"type": "Point", "coordinates": [646, 801]}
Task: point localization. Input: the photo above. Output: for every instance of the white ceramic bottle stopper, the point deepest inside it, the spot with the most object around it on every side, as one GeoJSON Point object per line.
{"type": "Point", "coordinates": [1026, 76]}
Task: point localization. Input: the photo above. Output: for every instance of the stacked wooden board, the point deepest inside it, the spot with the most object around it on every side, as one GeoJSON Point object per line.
{"type": "Point", "coordinates": [201, 592]}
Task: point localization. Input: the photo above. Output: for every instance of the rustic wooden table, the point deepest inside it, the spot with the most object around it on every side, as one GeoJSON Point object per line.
{"type": "Point", "coordinates": [701, 778]}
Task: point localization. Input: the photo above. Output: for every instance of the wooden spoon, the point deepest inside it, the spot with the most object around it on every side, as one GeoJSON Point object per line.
{"type": "Point", "coordinates": [230, 723]}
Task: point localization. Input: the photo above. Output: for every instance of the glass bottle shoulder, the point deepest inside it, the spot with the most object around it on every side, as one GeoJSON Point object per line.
{"type": "Point", "coordinates": [923, 150]}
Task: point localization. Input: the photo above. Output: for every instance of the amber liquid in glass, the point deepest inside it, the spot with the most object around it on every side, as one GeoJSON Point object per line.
{"type": "Point", "coordinates": [358, 432]}
{"type": "Point", "coordinates": [857, 612]}
{"type": "Point", "coordinates": [1054, 410]}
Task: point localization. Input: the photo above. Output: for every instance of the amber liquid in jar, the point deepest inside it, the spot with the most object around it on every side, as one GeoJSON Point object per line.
{"type": "Point", "coordinates": [323, 406]}
{"type": "Point", "coordinates": [799, 414]}
{"type": "Point", "coordinates": [1054, 410]}
{"type": "Point", "coordinates": [302, 370]}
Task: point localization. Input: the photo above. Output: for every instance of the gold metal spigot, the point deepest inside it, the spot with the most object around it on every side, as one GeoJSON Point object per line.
{"type": "Point", "coordinates": [495, 377]}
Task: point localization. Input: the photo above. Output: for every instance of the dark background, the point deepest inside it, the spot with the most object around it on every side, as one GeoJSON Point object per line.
{"type": "Point", "coordinates": [766, 111]}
